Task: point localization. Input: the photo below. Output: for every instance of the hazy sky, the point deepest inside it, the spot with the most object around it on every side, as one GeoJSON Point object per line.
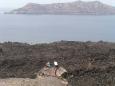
{"type": "Point", "coordinates": [19, 3]}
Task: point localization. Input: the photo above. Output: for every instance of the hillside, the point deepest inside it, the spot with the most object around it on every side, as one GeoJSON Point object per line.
{"type": "Point", "coordinates": [87, 63]}
{"type": "Point", "coordinates": [77, 8]}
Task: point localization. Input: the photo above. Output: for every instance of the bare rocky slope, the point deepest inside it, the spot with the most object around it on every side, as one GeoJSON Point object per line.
{"type": "Point", "coordinates": [75, 8]}
{"type": "Point", "coordinates": [88, 63]}
{"type": "Point", "coordinates": [39, 81]}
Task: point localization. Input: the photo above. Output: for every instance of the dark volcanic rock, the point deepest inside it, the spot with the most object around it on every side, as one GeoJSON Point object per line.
{"type": "Point", "coordinates": [75, 8]}
{"type": "Point", "coordinates": [88, 63]}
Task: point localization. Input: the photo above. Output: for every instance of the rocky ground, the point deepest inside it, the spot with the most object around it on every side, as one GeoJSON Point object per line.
{"type": "Point", "coordinates": [39, 81]}
{"type": "Point", "coordinates": [88, 63]}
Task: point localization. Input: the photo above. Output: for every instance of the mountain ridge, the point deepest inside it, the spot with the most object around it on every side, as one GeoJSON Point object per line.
{"type": "Point", "coordinates": [76, 7]}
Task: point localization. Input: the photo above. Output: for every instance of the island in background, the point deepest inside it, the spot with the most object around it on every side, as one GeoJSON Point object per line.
{"type": "Point", "coordinates": [71, 8]}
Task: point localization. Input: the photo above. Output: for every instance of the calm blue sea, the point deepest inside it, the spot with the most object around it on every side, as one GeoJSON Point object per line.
{"type": "Point", "coordinates": [49, 28]}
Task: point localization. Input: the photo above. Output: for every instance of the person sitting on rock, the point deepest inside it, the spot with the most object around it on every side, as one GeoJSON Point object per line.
{"type": "Point", "coordinates": [55, 63]}
{"type": "Point", "coordinates": [56, 67]}
{"type": "Point", "coordinates": [48, 64]}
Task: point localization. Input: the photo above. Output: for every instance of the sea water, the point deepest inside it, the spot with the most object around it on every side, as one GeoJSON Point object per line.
{"type": "Point", "coordinates": [49, 28]}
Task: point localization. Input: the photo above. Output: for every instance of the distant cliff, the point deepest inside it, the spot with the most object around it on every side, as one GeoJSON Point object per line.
{"type": "Point", "coordinates": [77, 8]}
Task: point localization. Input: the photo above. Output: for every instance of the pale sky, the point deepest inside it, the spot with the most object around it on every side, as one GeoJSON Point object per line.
{"type": "Point", "coordinates": [20, 3]}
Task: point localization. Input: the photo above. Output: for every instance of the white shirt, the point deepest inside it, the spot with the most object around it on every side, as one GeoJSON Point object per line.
{"type": "Point", "coordinates": [55, 63]}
